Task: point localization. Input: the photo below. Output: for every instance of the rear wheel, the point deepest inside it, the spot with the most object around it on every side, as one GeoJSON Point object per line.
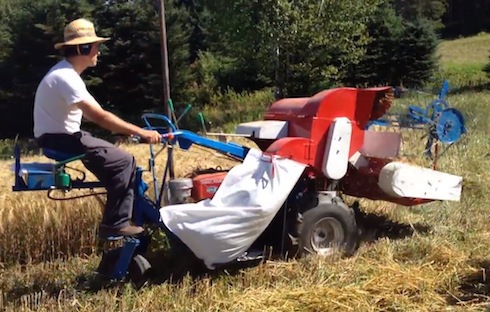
{"type": "Point", "coordinates": [139, 271]}
{"type": "Point", "coordinates": [327, 229]}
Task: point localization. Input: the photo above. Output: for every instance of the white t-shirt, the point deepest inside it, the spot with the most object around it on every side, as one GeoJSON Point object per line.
{"type": "Point", "coordinates": [54, 111]}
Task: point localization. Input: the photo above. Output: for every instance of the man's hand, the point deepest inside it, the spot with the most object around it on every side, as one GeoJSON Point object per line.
{"type": "Point", "coordinates": [151, 136]}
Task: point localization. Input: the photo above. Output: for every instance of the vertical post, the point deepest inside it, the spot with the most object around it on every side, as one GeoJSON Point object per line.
{"type": "Point", "coordinates": [279, 86]}
{"type": "Point", "coordinates": [165, 78]}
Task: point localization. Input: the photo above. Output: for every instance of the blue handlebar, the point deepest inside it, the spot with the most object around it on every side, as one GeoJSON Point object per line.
{"type": "Point", "coordinates": [187, 138]}
{"type": "Point", "coordinates": [146, 116]}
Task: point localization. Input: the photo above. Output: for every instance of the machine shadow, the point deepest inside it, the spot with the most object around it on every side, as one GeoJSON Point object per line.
{"type": "Point", "coordinates": [166, 268]}
{"type": "Point", "coordinates": [173, 268]}
{"type": "Point", "coordinates": [373, 227]}
{"type": "Point", "coordinates": [176, 269]}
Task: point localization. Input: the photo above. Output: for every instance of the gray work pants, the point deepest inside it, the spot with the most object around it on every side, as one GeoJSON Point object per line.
{"type": "Point", "coordinates": [114, 167]}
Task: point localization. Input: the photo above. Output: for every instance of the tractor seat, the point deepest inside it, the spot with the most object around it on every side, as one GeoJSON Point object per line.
{"type": "Point", "coordinates": [59, 156]}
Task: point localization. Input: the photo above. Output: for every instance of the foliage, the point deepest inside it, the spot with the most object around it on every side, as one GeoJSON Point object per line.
{"type": "Point", "coordinates": [417, 50]}
{"type": "Point", "coordinates": [300, 47]}
{"type": "Point", "coordinates": [214, 47]}
{"type": "Point", "coordinates": [377, 65]}
{"type": "Point", "coordinates": [432, 10]}
{"type": "Point", "coordinates": [400, 52]}
{"type": "Point", "coordinates": [239, 107]}
{"type": "Point", "coordinates": [131, 64]}
{"type": "Point", "coordinates": [486, 69]}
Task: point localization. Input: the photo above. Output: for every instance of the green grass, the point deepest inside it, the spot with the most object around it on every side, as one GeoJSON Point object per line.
{"type": "Point", "coordinates": [462, 60]}
{"type": "Point", "coordinates": [467, 51]}
{"type": "Point", "coordinates": [444, 269]}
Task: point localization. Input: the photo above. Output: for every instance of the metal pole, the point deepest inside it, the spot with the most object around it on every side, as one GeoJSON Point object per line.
{"type": "Point", "coordinates": [165, 77]}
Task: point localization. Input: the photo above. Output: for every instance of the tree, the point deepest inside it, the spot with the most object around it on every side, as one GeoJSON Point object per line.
{"type": "Point", "coordinates": [400, 52]}
{"type": "Point", "coordinates": [130, 66]}
{"type": "Point", "coordinates": [376, 67]}
{"type": "Point", "coordinates": [417, 54]}
{"type": "Point", "coordinates": [302, 46]}
{"type": "Point", "coordinates": [29, 53]}
{"type": "Point", "coordinates": [432, 10]}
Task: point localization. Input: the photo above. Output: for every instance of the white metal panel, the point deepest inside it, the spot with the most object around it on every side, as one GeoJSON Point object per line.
{"type": "Point", "coordinates": [336, 158]}
{"type": "Point", "coordinates": [264, 129]}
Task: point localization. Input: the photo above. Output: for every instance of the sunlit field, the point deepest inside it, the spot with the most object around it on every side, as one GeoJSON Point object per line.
{"type": "Point", "coordinates": [439, 261]}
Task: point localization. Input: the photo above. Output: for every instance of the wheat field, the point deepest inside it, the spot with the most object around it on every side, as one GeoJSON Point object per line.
{"type": "Point", "coordinates": [440, 262]}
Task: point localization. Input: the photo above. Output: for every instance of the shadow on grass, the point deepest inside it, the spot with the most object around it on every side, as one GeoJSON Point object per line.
{"type": "Point", "coordinates": [473, 288]}
{"type": "Point", "coordinates": [166, 268]}
{"type": "Point", "coordinates": [173, 266]}
{"type": "Point", "coordinates": [474, 87]}
{"type": "Point", "coordinates": [374, 227]}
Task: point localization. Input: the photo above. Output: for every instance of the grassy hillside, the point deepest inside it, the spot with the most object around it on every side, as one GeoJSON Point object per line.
{"type": "Point", "coordinates": [465, 51]}
{"type": "Point", "coordinates": [433, 257]}
{"type": "Point", "coordinates": [463, 59]}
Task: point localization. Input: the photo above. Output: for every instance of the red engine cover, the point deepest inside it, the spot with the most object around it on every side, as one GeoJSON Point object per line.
{"type": "Point", "coordinates": [205, 185]}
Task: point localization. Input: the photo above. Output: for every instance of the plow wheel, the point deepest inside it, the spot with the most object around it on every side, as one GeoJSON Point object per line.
{"type": "Point", "coordinates": [328, 229]}
{"type": "Point", "coordinates": [139, 271]}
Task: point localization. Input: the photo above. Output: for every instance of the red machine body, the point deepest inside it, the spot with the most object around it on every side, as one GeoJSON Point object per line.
{"type": "Point", "coordinates": [309, 120]}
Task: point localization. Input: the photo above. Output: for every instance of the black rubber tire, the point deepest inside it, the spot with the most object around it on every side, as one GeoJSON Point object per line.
{"type": "Point", "coordinates": [139, 271]}
{"type": "Point", "coordinates": [332, 216]}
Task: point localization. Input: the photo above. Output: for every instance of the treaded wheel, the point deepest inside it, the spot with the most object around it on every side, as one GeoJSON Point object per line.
{"type": "Point", "coordinates": [139, 271]}
{"type": "Point", "coordinates": [328, 228]}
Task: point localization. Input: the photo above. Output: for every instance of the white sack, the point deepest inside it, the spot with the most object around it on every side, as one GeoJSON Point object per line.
{"type": "Point", "coordinates": [220, 230]}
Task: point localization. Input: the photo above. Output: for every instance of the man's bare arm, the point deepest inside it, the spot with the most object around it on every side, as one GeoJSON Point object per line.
{"type": "Point", "coordinates": [111, 122]}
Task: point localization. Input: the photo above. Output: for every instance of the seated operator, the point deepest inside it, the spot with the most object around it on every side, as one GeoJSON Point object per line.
{"type": "Point", "coordinates": [60, 102]}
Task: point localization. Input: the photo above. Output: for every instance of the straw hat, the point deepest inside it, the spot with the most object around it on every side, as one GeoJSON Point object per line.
{"type": "Point", "coordinates": [80, 31]}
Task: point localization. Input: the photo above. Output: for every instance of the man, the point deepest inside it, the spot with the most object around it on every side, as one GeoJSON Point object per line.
{"type": "Point", "coordinates": [60, 102]}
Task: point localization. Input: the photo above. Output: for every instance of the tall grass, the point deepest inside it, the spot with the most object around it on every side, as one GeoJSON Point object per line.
{"type": "Point", "coordinates": [34, 228]}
